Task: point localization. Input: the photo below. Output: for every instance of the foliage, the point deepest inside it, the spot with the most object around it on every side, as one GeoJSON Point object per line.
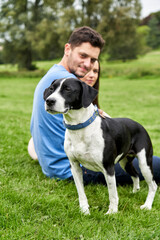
{"type": "Point", "coordinates": [26, 33]}
{"type": "Point", "coordinates": [14, 24]}
{"type": "Point", "coordinates": [153, 36]}
{"type": "Point", "coordinates": [153, 39]}
{"type": "Point", "coordinates": [39, 29]}
{"type": "Point", "coordinates": [44, 40]}
{"type": "Point", "coordinates": [143, 32]}
{"type": "Point", "coordinates": [119, 30]}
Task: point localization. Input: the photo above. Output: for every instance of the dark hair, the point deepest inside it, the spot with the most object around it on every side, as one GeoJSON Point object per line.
{"type": "Point", "coordinates": [96, 86]}
{"type": "Point", "coordinates": [86, 34]}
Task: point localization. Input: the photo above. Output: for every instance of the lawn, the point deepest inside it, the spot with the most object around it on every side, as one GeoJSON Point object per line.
{"type": "Point", "coordinates": [35, 207]}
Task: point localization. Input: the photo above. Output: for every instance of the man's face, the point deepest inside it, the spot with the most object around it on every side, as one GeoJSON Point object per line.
{"type": "Point", "coordinates": [81, 59]}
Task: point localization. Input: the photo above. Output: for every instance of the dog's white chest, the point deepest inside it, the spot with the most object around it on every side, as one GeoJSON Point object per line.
{"type": "Point", "coordinates": [86, 146]}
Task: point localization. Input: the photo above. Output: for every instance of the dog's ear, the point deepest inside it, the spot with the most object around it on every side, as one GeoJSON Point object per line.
{"type": "Point", "coordinates": [48, 91]}
{"type": "Point", "coordinates": [88, 95]}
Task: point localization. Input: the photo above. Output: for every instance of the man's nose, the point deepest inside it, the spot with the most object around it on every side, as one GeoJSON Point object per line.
{"type": "Point", "coordinates": [88, 63]}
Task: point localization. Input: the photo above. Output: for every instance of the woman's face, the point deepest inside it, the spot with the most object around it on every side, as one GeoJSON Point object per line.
{"type": "Point", "coordinates": [91, 77]}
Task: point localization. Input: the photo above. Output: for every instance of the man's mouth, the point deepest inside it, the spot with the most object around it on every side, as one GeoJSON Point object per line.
{"type": "Point", "coordinates": [84, 69]}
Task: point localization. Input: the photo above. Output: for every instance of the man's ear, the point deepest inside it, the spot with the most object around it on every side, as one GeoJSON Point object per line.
{"type": "Point", "coordinates": [67, 49]}
{"type": "Point", "coordinates": [88, 94]}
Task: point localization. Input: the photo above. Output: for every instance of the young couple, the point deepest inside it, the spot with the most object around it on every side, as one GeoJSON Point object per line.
{"type": "Point", "coordinates": [47, 142]}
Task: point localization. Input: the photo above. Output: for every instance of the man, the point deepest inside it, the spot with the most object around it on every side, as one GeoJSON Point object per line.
{"type": "Point", "coordinates": [47, 142]}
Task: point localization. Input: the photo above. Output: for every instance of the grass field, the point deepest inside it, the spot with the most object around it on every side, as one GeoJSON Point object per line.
{"type": "Point", "coordinates": [35, 207]}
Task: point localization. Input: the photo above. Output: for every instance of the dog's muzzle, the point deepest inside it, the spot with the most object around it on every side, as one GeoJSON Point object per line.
{"type": "Point", "coordinates": [50, 107]}
{"type": "Point", "coordinates": [50, 102]}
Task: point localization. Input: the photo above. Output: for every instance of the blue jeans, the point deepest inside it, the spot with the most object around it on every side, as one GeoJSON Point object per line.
{"type": "Point", "coordinates": [122, 178]}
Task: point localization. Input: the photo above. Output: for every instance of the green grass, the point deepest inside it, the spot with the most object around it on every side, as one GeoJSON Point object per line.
{"type": "Point", "coordinates": [145, 66]}
{"type": "Point", "coordinates": [43, 65]}
{"type": "Point", "coordinates": [35, 207]}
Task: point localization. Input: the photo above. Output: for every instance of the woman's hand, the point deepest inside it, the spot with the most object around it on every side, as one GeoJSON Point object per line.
{"type": "Point", "coordinates": [103, 114]}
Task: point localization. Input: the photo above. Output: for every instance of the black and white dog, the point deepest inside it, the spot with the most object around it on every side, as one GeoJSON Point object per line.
{"type": "Point", "coordinates": [99, 143]}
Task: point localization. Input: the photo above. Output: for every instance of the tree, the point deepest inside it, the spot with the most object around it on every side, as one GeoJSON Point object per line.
{"type": "Point", "coordinates": [154, 33]}
{"type": "Point", "coordinates": [116, 20]}
{"type": "Point", "coordinates": [18, 17]}
{"type": "Point", "coordinates": [119, 29]}
{"type": "Point", "coordinates": [24, 29]}
{"type": "Point", "coordinates": [38, 29]}
{"type": "Point", "coordinates": [143, 32]}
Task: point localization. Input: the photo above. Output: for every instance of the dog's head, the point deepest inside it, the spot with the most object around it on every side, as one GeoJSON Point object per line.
{"type": "Point", "coordinates": [68, 93]}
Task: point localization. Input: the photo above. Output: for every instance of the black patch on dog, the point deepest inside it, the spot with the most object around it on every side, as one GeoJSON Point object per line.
{"type": "Point", "coordinates": [123, 135]}
{"type": "Point", "coordinates": [76, 93]}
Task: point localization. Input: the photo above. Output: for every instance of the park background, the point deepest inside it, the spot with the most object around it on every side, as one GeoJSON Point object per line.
{"type": "Point", "coordinates": [32, 38]}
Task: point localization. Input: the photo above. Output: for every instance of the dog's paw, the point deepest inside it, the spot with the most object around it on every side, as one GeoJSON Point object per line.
{"type": "Point", "coordinates": [145, 206]}
{"type": "Point", "coordinates": [85, 211]}
{"type": "Point", "coordinates": [111, 211]}
{"type": "Point", "coordinates": [136, 186]}
{"type": "Point", "coordinates": [136, 190]}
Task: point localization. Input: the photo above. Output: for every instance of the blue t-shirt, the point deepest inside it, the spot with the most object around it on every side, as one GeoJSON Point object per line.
{"type": "Point", "coordinates": [48, 131]}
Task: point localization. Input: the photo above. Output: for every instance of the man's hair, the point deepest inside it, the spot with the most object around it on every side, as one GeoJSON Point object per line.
{"type": "Point", "coordinates": [86, 34]}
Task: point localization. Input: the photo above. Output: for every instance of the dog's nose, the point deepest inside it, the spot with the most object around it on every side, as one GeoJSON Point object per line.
{"type": "Point", "coordinates": [50, 102]}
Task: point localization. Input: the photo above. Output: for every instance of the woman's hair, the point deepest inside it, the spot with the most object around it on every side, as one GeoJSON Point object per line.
{"type": "Point", "coordinates": [96, 86]}
{"type": "Point", "coordinates": [86, 34]}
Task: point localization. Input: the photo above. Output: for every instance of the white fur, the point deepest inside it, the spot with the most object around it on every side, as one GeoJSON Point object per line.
{"type": "Point", "coordinates": [148, 177]}
{"type": "Point", "coordinates": [118, 158]}
{"type": "Point", "coordinates": [86, 145]}
{"type": "Point", "coordinates": [113, 195]}
{"type": "Point", "coordinates": [60, 101]}
{"type": "Point", "coordinates": [78, 179]}
{"type": "Point", "coordinates": [136, 186]}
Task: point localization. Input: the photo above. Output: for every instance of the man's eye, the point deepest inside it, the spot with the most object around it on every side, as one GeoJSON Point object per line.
{"type": "Point", "coordinates": [93, 60]}
{"type": "Point", "coordinates": [83, 56]}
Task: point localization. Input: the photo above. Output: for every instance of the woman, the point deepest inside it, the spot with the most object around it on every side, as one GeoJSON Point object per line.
{"type": "Point", "coordinates": [92, 79]}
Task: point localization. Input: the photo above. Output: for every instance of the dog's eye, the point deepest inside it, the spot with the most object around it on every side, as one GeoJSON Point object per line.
{"type": "Point", "coordinates": [51, 88]}
{"type": "Point", "coordinates": [67, 88]}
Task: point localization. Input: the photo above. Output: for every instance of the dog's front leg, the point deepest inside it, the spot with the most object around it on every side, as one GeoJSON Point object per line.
{"type": "Point", "coordinates": [78, 178]}
{"type": "Point", "coordinates": [112, 191]}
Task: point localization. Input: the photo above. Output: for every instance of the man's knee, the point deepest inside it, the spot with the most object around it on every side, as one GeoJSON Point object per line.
{"type": "Point", "coordinates": [31, 150]}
